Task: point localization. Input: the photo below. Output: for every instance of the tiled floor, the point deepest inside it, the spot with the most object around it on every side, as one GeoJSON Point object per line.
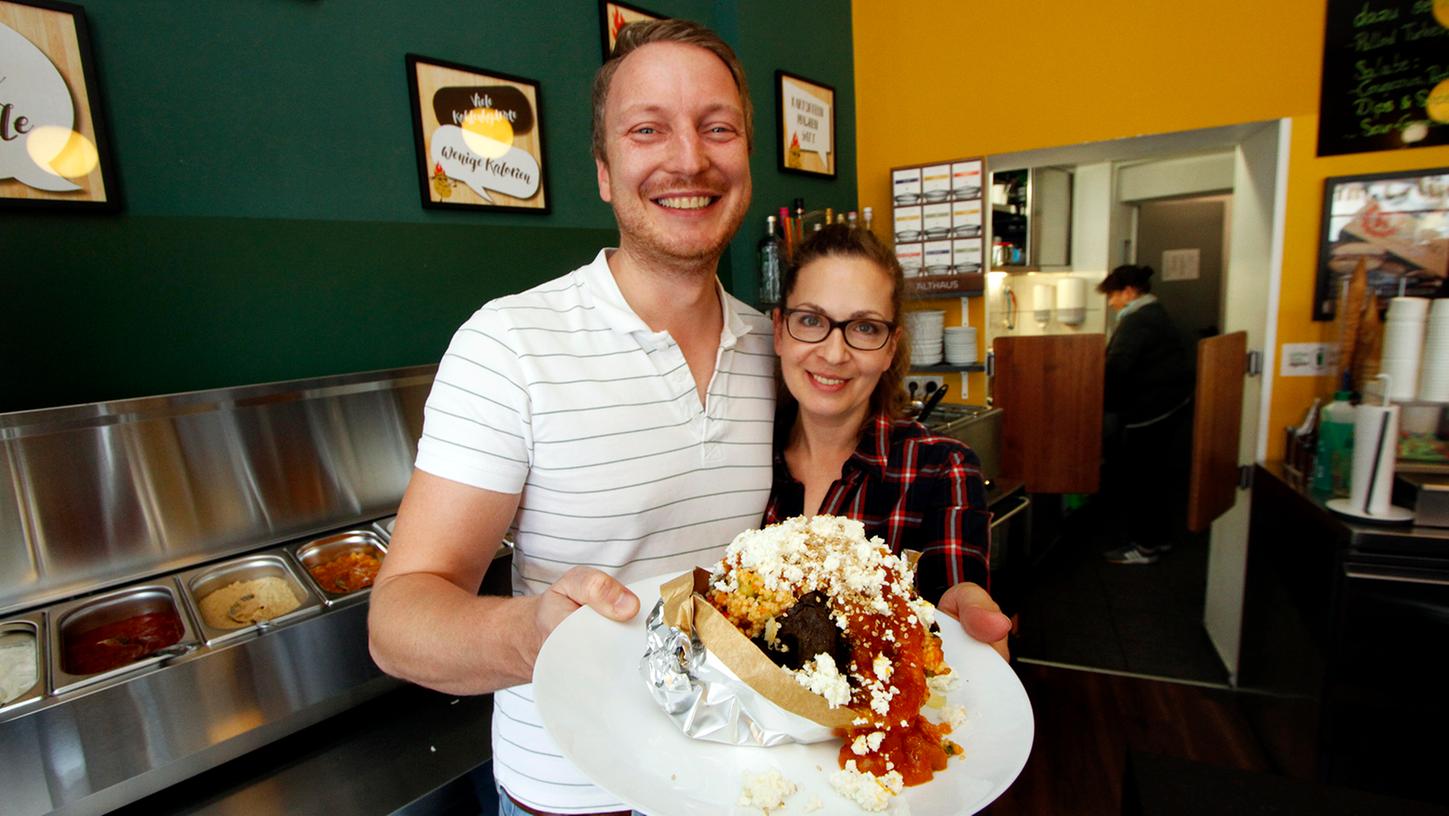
{"type": "Point", "coordinates": [1078, 610]}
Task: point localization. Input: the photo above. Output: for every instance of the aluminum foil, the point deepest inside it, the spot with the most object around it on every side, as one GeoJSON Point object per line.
{"type": "Point", "coordinates": [706, 700]}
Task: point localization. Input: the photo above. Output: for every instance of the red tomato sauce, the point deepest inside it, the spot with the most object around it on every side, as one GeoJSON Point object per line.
{"type": "Point", "coordinates": [917, 749]}
{"type": "Point", "coordinates": [124, 641]}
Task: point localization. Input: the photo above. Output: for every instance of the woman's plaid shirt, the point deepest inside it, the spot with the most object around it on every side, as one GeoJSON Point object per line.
{"type": "Point", "coordinates": [915, 490]}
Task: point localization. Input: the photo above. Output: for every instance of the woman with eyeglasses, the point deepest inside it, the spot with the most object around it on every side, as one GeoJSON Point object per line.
{"type": "Point", "coordinates": [843, 445]}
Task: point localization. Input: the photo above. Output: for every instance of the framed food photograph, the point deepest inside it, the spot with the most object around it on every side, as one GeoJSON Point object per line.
{"type": "Point", "coordinates": [1396, 223]}
{"type": "Point", "coordinates": [479, 138]}
{"type": "Point", "coordinates": [54, 150]}
{"type": "Point", "coordinates": [805, 118]}
{"type": "Point", "coordinates": [614, 16]}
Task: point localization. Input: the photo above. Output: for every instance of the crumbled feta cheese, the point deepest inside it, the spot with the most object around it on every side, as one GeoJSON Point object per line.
{"type": "Point", "coordinates": [871, 792]}
{"type": "Point", "coordinates": [820, 675]}
{"type": "Point", "coordinates": [883, 667]}
{"type": "Point", "coordinates": [956, 715]}
{"type": "Point", "coordinates": [765, 790]}
{"type": "Point", "coordinates": [865, 743]}
{"type": "Point", "coordinates": [943, 683]}
{"type": "Point", "coordinates": [814, 804]}
{"type": "Point", "coordinates": [880, 699]}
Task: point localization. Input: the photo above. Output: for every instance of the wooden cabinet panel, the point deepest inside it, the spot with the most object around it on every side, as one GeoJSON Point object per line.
{"type": "Point", "coordinates": [1050, 391]}
{"type": "Point", "coordinates": [1216, 424]}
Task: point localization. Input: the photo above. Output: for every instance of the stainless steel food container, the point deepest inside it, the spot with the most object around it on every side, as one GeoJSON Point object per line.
{"type": "Point", "coordinates": [319, 551]}
{"type": "Point", "coordinates": [199, 583]}
{"type": "Point", "coordinates": [33, 624]}
{"type": "Point", "coordinates": [82, 615]}
{"type": "Point", "coordinates": [384, 528]}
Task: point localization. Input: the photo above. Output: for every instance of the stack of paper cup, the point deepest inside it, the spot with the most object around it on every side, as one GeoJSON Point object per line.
{"type": "Point", "coordinates": [960, 345]}
{"type": "Point", "coordinates": [925, 329]}
{"type": "Point", "coordinates": [1434, 369]}
{"type": "Point", "coordinates": [1404, 345]}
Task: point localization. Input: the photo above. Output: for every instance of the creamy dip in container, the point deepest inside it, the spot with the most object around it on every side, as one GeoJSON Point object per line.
{"type": "Point", "coordinates": [18, 665]}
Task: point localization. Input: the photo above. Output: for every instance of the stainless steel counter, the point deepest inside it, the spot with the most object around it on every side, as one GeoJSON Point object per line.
{"type": "Point", "coordinates": [148, 498]}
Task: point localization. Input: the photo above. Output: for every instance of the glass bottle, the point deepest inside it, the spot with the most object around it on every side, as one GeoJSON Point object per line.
{"type": "Point", "coordinates": [769, 262]}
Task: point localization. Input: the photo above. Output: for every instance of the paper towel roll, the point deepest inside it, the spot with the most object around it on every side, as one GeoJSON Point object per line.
{"type": "Point", "coordinates": [1375, 446]}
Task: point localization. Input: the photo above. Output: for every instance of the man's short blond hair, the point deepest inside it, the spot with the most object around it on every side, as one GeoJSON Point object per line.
{"type": "Point", "coordinates": [636, 35]}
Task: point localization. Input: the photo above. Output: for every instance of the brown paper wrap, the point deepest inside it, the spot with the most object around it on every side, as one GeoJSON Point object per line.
{"type": "Point", "coordinates": [686, 608]}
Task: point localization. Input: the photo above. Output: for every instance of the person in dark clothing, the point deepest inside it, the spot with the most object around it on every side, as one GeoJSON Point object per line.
{"type": "Point", "coordinates": [1148, 418]}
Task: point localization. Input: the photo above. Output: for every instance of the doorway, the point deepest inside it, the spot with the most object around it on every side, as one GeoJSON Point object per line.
{"type": "Point", "coordinates": [1094, 615]}
{"type": "Point", "coordinates": [1184, 240]}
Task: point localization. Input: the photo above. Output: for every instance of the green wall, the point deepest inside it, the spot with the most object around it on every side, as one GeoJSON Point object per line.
{"type": "Point", "coordinates": [270, 225]}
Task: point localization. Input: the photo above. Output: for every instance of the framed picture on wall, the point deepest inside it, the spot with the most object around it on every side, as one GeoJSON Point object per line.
{"type": "Point", "coordinates": [614, 16]}
{"type": "Point", "coordinates": [1397, 223]}
{"type": "Point", "coordinates": [54, 150]}
{"type": "Point", "coordinates": [805, 119]}
{"type": "Point", "coordinates": [479, 137]}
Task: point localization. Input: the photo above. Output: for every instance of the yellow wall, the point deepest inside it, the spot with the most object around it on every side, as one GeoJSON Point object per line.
{"type": "Point", "coordinates": [939, 79]}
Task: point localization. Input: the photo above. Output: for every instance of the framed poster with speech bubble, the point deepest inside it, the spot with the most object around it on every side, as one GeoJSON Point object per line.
{"type": "Point", "coordinates": [614, 16]}
{"type": "Point", "coordinates": [805, 115]}
{"type": "Point", "coordinates": [479, 138]}
{"type": "Point", "coordinates": [54, 151]}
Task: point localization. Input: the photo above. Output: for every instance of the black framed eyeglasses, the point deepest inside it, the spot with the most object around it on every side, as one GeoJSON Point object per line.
{"type": "Point", "coordinates": [862, 333]}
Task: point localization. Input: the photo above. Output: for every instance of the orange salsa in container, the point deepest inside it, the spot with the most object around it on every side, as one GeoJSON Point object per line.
{"type": "Point", "coordinates": [347, 572]}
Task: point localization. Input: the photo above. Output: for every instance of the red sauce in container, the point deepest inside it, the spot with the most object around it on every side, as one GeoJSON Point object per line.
{"type": "Point", "coordinates": [124, 641]}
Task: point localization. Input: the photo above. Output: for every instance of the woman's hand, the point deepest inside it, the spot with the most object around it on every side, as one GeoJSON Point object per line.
{"type": "Point", "coordinates": [979, 616]}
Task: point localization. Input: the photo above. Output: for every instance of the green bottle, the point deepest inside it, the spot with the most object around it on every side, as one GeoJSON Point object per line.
{"type": "Point", "coordinates": [1333, 463]}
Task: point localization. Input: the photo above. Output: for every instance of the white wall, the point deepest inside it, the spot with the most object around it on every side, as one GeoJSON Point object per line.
{"type": "Point", "coordinates": [1190, 175]}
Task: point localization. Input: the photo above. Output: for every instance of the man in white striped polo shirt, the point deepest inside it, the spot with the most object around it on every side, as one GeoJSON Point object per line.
{"type": "Point", "coordinates": [617, 420]}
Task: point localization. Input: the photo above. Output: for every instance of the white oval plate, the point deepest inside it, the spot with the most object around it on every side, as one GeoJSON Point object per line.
{"type": "Point", "coordinates": [596, 707]}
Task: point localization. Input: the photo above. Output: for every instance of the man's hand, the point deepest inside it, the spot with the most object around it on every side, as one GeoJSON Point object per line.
{"type": "Point", "coordinates": [980, 617]}
{"type": "Point", "coordinates": [583, 586]}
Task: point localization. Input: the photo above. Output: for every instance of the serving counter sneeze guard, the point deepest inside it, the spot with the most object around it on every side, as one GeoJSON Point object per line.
{"type": "Point", "coordinates": [154, 569]}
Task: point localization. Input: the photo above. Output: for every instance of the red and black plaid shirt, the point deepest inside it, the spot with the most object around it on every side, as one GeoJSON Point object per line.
{"type": "Point", "coordinates": [915, 490]}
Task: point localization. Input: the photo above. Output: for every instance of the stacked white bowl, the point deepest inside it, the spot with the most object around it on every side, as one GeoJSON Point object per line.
{"type": "Point", "coordinates": [1434, 370]}
{"type": "Point", "coordinates": [925, 328]}
{"type": "Point", "coordinates": [960, 344]}
{"type": "Point", "coordinates": [1404, 345]}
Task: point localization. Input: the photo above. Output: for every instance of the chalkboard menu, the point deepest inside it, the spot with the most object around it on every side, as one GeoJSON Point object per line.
{"type": "Point", "coordinates": [1385, 75]}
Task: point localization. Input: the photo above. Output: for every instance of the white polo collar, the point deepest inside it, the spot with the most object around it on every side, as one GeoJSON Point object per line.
{"type": "Point", "coordinates": [602, 291]}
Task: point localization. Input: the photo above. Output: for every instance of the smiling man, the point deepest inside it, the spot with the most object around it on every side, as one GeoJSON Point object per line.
{"type": "Point", "coordinates": [615, 422]}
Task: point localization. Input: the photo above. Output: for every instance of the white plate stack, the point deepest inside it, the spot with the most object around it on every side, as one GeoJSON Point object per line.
{"type": "Point", "coordinates": [925, 329]}
{"type": "Point", "coordinates": [960, 345]}
{"type": "Point", "coordinates": [1434, 371]}
{"type": "Point", "coordinates": [1404, 345]}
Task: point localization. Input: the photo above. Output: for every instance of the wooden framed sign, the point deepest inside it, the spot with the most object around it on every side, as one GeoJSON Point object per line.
{"type": "Point", "coordinates": [805, 119]}
{"type": "Point", "coordinates": [479, 137]}
{"type": "Point", "coordinates": [54, 150]}
{"type": "Point", "coordinates": [614, 16]}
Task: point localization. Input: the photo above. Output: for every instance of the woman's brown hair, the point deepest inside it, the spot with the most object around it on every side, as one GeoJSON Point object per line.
{"type": "Point", "coordinates": [841, 241]}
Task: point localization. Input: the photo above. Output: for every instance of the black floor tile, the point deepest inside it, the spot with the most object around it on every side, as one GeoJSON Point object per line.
{"type": "Point", "coordinates": [1079, 610]}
